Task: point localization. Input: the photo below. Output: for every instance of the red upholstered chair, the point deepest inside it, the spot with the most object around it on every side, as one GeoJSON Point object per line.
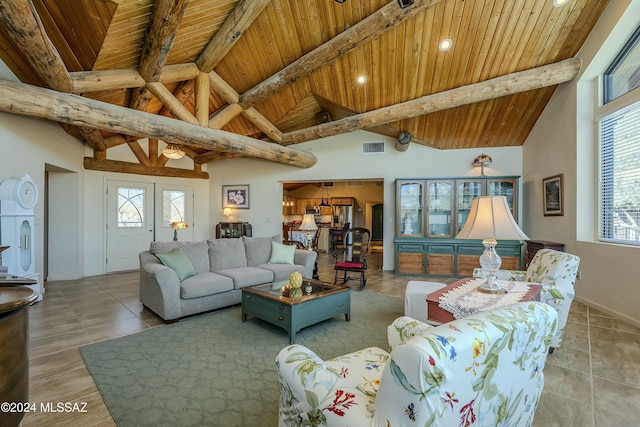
{"type": "Point", "coordinates": [352, 257]}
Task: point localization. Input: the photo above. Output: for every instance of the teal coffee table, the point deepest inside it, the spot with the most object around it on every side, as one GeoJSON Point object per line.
{"type": "Point", "coordinates": [320, 301]}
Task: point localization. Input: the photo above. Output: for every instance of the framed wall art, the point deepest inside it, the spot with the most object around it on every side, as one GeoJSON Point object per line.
{"type": "Point", "coordinates": [235, 196]}
{"type": "Point", "coordinates": [553, 197]}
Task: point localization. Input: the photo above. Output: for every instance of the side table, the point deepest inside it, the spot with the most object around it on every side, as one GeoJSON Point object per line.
{"type": "Point", "coordinates": [438, 314]}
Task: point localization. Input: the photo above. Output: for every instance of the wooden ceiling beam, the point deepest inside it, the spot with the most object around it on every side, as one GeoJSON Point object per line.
{"type": "Point", "coordinates": [167, 15]}
{"type": "Point", "coordinates": [19, 98]}
{"type": "Point", "coordinates": [171, 102]}
{"type": "Point", "coordinates": [388, 16]}
{"type": "Point", "coordinates": [241, 18]}
{"type": "Point", "coordinates": [104, 80]}
{"type": "Point", "coordinates": [138, 169]}
{"type": "Point", "coordinates": [536, 78]}
{"type": "Point", "coordinates": [24, 27]}
{"type": "Point", "coordinates": [166, 18]}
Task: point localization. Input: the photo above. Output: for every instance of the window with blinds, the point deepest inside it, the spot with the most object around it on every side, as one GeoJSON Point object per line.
{"type": "Point", "coordinates": [620, 176]}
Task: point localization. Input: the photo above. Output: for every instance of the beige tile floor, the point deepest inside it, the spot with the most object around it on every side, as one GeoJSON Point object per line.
{"type": "Point", "coordinates": [592, 380]}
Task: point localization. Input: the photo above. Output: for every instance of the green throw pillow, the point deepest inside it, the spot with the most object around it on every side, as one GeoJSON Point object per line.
{"type": "Point", "coordinates": [282, 254]}
{"type": "Point", "coordinates": [178, 261]}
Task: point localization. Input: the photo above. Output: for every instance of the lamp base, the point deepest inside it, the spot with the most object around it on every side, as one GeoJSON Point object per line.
{"type": "Point", "coordinates": [491, 288]}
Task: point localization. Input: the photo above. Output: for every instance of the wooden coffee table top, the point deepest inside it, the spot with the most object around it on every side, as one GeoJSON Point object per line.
{"type": "Point", "coordinates": [274, 290]}
{"type": "Point", "coordinates": [440, 315]}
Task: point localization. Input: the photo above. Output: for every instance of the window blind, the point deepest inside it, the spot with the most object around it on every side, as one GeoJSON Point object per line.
{"type": "Point", "coordinates": [620, 176]}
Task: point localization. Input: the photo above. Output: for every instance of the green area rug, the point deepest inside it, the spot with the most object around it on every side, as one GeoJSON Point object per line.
{"type": "Point", "coordinates": [214, 370]}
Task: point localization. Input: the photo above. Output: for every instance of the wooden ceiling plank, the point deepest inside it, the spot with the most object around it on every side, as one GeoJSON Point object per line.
{"type": "Point", "coordinates": [386, 17]}
{"type": "Point", "coordinates": [237, 22]}
{"type": "Point", "coordinates": [537, 78]}
{"type": "Point", "coordinates": [24, 27]}
{"type": "Point", "coordinates": [167, 15]}
{"type": "Point", "coordinates": [22, 99]}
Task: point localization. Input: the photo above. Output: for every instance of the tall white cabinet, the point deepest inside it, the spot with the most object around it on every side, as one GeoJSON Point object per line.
{"type": "Point", "coordinates": [18, 197]}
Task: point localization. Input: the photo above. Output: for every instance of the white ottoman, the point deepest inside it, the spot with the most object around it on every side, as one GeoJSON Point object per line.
{"type": "Point", "coordinates": [415, 298]}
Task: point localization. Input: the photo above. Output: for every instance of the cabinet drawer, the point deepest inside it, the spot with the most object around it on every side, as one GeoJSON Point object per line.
{"type": "Point", "coordinates": [475, 250]}
{"type": "Point", "coordinates": [410, 247]}
{"type": "Point", "coordinates": [441, 249]}
{"type": "Point", "coordinates": [508, 250]}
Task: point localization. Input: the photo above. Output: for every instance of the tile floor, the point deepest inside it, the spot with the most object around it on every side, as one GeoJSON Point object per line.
{"type": "Point", "coordinates": [592, 380]}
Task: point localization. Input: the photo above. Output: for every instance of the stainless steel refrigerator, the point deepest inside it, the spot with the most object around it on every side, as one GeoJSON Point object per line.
{"type": "Point", "coordinates": [342, 214]}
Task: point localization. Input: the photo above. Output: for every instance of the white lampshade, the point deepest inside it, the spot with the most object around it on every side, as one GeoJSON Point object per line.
{"type": "Point", "coordinates": [308, 223]}
{"type": "Point", "coordinates": [490, 218]}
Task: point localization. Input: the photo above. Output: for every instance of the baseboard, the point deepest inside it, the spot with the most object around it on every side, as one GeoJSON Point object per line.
{"type": "Point", "coordinates": [612, 313]}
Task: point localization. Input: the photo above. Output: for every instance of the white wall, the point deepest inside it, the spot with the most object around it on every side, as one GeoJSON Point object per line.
{"type": "Point", "coordinates": [563, 141]}
{"type": "Point", "coordinates": [341, 157]}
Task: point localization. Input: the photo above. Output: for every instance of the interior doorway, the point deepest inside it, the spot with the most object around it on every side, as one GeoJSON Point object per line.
{"type": "Point", "coordinates": [377, 220]}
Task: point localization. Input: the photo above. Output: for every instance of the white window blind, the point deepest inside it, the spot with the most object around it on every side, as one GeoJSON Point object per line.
{"type": "Point", "coordinates": [620, 176]}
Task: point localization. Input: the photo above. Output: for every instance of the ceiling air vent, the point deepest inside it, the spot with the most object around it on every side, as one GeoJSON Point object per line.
{"type": "Point", "coordinates": [372, 147]}
{"type": "Point", "coordinates": [354, 184]}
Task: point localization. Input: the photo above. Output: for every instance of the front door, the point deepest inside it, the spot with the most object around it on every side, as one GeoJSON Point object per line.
{"type": "Point", "coordinates": [139, 213]}
{"type": "Point", "coordinates": [130, 223]}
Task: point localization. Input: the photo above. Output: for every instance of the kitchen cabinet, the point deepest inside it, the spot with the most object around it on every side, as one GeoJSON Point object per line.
{"type": "Point", "coordinates": [430, 213]}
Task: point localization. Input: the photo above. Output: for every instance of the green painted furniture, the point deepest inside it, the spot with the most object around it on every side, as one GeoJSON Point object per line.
{"type": "Point", "coordinates": [319, 301]}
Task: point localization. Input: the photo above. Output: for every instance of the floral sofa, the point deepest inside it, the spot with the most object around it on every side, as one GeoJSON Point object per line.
{"type": "Point", "coordinates": [179, 279]}
{"type": "Point", "coordinates": [483, 370]}
{"type": "Point", "coordinates": [556, 272]}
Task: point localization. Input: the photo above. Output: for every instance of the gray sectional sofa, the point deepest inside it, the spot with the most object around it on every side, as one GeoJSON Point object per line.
{"type": "Point", "coordinates": [222, 268]}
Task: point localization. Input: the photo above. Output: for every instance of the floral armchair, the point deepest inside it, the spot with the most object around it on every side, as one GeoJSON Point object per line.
{"type": "Point", "coordinates": [483, 370]}
{"type": "Point", "coordinates": [556, 272]}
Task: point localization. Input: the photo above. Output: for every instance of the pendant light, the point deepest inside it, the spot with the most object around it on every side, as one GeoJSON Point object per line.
{"type": "Point", "coordinates": [323, 203]}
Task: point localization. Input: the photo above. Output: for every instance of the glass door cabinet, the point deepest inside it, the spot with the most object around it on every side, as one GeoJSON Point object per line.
{"type": "Point", "coordinates": [429, 214]}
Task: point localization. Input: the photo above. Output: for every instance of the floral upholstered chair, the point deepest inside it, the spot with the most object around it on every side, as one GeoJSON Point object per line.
{"type": "Point", "coordinates": [483, 370]}
{"type": "Point", "coordinates": [556, 272]}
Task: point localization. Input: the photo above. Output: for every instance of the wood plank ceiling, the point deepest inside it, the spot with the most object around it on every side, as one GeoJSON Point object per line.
{"type": "Point", "coordinates": [283, 71]}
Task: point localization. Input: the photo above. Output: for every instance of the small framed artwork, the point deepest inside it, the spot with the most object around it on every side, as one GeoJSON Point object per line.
{"type": "Point", "coordinates": [235, 196]}
{"type": "Point", "coordinates": [553, 202]}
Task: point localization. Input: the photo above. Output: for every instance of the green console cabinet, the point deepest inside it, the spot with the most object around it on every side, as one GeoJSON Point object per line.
{"type": "Point", "coordinates": [429, 214]}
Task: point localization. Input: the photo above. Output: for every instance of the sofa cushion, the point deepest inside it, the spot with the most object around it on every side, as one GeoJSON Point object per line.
{"type": "Point", "coordinates": [195, 250]}
{"type": "Point", "coordinates": [282, 254]}
{"type": "Point", "coordinates": [247, 276]}
{"type": "Point", "coordinates": [178, 261]}
{"type": "Point", "coordinates": [204, 284]}
{"type": "Point", "coordinates": [258, 249]}
{"type": "Point", "coordinates": [282, 271]}
{"type": "Point", "coordinates": [226, 253]}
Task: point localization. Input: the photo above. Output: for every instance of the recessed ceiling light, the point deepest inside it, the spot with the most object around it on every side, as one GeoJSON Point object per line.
{"type": "Point", "coordinates": [560, 3]}
{"type": "Point", "coordinates": [445, 45]}
{"type": "Point", "coordinates": [361, 79]}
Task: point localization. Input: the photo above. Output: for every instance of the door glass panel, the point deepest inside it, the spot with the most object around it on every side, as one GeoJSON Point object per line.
{"type": "Point", "coordinates": [410, 209]}
{"type": "Point", "coordinates": [467, 191]}
{"type": "Point", "coordinates": [173, 207]}
{"type": "Point", "coordinates": [130, 207]}
{"type": "Point", "coordinates": [503, 188]}
{"type": "Point", "coordinates": [440, 198]}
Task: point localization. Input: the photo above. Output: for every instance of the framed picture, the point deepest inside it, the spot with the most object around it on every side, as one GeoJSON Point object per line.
{"type": "Point", "coordinates": [235, 196]}
{"type": "Point", "coordinates": [553, 202]}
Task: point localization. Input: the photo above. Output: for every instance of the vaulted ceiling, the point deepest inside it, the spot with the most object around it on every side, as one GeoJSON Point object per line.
{"type": "Point", "coordinates": [229, 78]}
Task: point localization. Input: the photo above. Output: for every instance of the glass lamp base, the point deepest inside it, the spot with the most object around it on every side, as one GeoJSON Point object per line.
{"type": "Point", "coordinates": [491, 288]}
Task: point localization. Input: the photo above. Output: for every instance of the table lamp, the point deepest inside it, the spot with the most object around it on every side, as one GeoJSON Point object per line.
{"type": "Point", "coordinates": [177, 225]}
{"type": "Point", "coordinates": [490, 219]}
{"type": "Point", "coordinates": [226, 212]}
{"type": "Point", "coordinates": [308, 225]}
